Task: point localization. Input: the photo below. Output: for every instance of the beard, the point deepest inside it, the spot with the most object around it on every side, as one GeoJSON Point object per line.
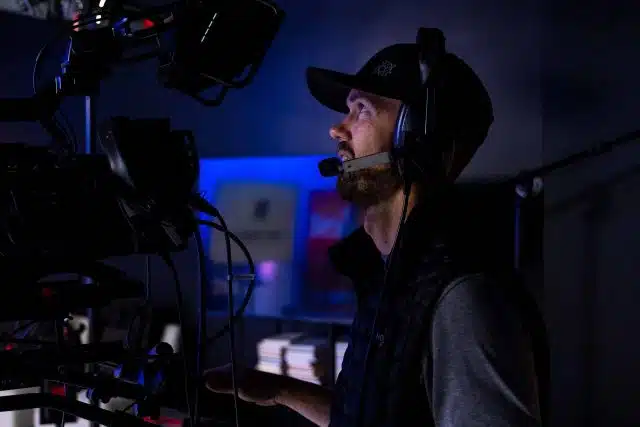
{"type": "Point", "coordinates": [369, 187]}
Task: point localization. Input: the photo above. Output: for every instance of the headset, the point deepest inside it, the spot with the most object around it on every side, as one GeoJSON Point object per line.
{"type": "Point", "coordinates": [451, 109]}
{"type": "Point", "coordinates": [415, 144]}
{"type": "Point", "coordinates": [412, 140]}
{"type": "Point", "coordinates": [422, 134]}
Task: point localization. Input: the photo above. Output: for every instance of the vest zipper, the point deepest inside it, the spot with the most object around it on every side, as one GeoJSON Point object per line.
{"type": "Point", "coordinates": [387, 269]}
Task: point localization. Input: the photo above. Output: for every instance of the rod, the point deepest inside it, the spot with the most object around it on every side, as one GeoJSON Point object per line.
{"type": "Point", "coordinates": [90, 147]}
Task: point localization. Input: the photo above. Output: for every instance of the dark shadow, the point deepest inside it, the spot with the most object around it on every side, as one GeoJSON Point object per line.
{"type": "Point", "coordinates": [588, 193]}
{"type": "Point", "coordinates": [595, 202]}
{"type": "Point", "coordinates": [599, 205]}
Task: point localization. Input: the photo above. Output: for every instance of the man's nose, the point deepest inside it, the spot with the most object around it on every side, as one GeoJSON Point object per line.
{"type": "Point", "coordinates": [339, 132]}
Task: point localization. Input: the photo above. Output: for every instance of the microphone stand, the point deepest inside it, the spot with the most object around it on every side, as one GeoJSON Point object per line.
{"type": "Point", "coordinates": [90, 147]}
{"type": "Point", "coordinates": [91, 68]}
{"type": "Point", "coordinates": [86, 74]}
{"type": "Point", "coordinates": [595, 150]}
{"type": "Point", "coordinates": [529, 182]}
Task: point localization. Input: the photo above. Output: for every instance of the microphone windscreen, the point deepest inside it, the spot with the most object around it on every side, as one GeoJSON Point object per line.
{"type": "Point", "coordinates": [329, 167]}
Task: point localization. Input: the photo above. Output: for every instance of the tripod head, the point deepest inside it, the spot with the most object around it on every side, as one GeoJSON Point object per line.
{"type": "Point", "coordinates": [200, 46]}
{"type": "Point", "coordinates": [217, 45]}
{"type": "Point", "coordinates": [115, 202]}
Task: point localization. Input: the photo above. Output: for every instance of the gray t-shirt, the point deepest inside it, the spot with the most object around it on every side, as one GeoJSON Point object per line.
{"type": "Point", "coordinates": [482, 366]}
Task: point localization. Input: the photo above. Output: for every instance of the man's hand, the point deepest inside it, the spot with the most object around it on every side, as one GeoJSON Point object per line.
{"type": "Point", "coordinates": [309, 400]}
{"type": "Point", "coordinates": [254, 386]}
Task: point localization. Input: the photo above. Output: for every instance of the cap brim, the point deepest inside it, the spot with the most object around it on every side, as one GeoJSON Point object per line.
{"type": "Point", "coordinates": [331, 88]}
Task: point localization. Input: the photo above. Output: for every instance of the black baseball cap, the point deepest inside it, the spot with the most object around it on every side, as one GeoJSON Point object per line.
{"type": "Point", "coordinates": [393, 72]}
{"type": "Point", "coordinates": [464, 106]}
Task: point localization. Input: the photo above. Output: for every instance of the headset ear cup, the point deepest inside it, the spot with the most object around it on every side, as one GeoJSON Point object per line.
{"type": "Point", "coordinates": [399, 136]}
{"type": "Point", "coordinates": [410, 142]}
{"type": "Point", "coordinates": [400, 128]}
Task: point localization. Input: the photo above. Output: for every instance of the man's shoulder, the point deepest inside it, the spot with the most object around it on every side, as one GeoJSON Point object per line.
{"type": "Point", "coordinates": [480, 301]}
{"type": "Point", "coordinates": [471, 288]}
{"type": "Point", "coordinates": [479, 329]}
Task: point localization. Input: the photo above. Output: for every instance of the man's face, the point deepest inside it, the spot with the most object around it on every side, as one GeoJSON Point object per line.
{"type": "Point", "coordinates": [367, 129]}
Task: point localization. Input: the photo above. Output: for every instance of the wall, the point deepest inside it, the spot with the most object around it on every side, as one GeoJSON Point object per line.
{"type": "Point", "coordinates": [590, 68]}
{"type": "Point", "coordinates": [579, 89]}
{"type": "Point", "coordinates": [275, 116]}
{"type": "Point", "coordinates": [500, 42]}
{"type": "Point", "coordinates": [296, 173]}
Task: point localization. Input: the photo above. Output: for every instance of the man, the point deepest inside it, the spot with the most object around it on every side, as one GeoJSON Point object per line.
{"type": "Point", "coordinates": [437, 339]}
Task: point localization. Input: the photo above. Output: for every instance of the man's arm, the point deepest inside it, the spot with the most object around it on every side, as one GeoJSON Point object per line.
{"type": "Point", "coordinates": [481, 369]}
{"type": "Point", "coordinates": [309, 400]}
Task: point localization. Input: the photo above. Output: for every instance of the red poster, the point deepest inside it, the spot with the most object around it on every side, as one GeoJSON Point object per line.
{"type": "Point", "coordinates": [330, 220]}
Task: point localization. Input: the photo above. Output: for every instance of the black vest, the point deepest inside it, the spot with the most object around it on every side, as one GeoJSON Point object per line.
{"type": "Point", "coordinates": [382, 382]}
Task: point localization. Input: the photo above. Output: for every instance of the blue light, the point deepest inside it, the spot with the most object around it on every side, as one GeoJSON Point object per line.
{"type": "Point", "coordinates": [299, 172]}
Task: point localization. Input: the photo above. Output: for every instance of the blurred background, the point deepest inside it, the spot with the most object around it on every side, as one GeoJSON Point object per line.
{"type": "Point", "coordinates": [562, 76]}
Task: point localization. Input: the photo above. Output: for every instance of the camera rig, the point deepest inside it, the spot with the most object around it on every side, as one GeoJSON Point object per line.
{"type": "Point", "coordinates": [64, 209]}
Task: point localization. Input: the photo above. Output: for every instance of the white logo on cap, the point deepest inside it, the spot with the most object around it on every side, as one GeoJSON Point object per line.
{"type": "Point", "coordinates": [384, 69]}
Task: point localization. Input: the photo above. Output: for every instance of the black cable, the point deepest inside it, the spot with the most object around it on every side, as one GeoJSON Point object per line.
{"type": "Point", "coordinates": [77, 24]}
{"type": "Point", "coordinates": [26, 328]}
{"type": "Point", "coordinates": [199, 203]}
{"type": "Point", "coordinates": [232, 341]}
{"type": "Point", "coordinates": [59, 133]}
{"type": "Point", "coordinates": [147, 278]}
{"type": "Point", "coordinates": [385, 284]}
{"type": "Point", "coordinates": [59, 327]}
{"type": "Point", "coordinates": [179, 302]}
{"type": "Point", "coordinates": [229, 236]}
{"type": "Point", "coordinates": [202, 321]}
{"type": "Point", "coordinates": [67, 130]}
{"type": "Point", "coordinates": [35, 75]}
{"type": "Point", "coordinates": [17, 336]}
{"type": "Point", "coordinates": [70, 131]}
{"type": "Point", "coordinates": [69, 135]}
{"type": "Point", "coordinates": [252, 277]}
{"type": "Point", "coordinates": [141, 310]}
{"type": "Point", "coordinates": [10, 340]}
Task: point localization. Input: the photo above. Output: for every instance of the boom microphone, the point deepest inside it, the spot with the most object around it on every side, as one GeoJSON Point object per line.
{"type": "Point", "coordinates": [333, 166]}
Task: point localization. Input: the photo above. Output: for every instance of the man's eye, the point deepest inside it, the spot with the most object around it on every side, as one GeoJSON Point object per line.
{"type": "Point", "coordinates": [363, 111]}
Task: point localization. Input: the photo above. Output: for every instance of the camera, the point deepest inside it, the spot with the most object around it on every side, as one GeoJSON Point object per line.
{"type": "Point", "coordinates": [64, 210]}
{"type": "Point", "coordinates": [94, 206]}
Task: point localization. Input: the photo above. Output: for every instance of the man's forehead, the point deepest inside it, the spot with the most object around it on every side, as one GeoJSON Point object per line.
{"type": "Point", "coordinates": [358, 94]}
{"type": "Point", "coordinates": [377, 100]}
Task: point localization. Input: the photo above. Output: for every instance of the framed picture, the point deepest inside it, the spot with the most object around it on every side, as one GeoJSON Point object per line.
{"type": "Point", "coordinates": [330, 220]}
{"type": "Point", "coordinates": [263, 216]}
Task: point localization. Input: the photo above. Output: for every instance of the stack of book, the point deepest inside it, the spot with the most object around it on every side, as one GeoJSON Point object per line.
{"type": "Point", "coordinates": [341, 348]}
{"type": "Point", "coordinates": [307, 359]}
{"type": "Point", "coordinates": [270, 352]}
